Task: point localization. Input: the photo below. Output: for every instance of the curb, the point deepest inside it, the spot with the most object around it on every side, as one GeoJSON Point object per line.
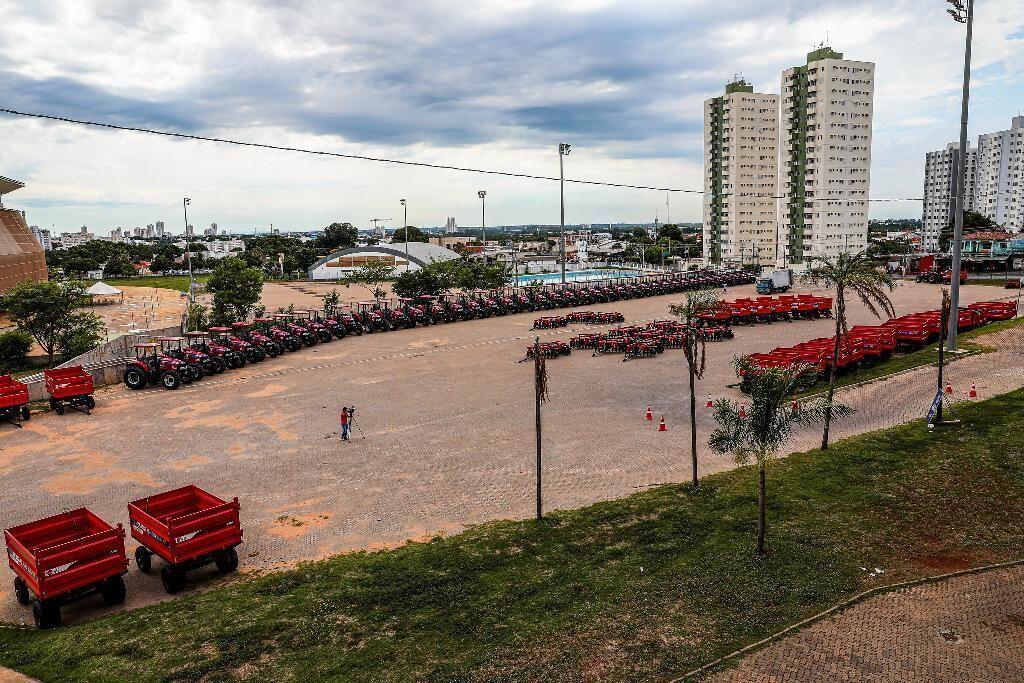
{"type": "Point", "coordinates": [850, 602]}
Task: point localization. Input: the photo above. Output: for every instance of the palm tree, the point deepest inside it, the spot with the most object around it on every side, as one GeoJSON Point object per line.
{"type": "Point", "coordinates": [694, 350]}
{"type": "Point", "coordinates": [759, 433]}
{"type": "Point", "coordinates": [856, 273]}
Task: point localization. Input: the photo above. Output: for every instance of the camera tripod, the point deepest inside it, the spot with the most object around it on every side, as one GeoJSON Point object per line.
{"type": "Point", "coordinates": [353, 425]}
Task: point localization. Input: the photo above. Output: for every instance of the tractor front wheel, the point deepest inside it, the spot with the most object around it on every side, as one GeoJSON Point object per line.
{"type": "Point", "coordinates": [21, 591]}
{"type": "Point", "coordinates": [135, 378]}
{"type": "Point", "coordinates": [323, 336]}
{"type": "Point", "coordinates": [170, 380]}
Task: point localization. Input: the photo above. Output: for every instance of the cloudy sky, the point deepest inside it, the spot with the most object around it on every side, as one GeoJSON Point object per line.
{"type": "Point", "coordinates": [491, 85]}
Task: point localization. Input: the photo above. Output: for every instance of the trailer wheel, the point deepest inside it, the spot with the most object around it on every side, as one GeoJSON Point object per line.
{"type": "Point", "coordinates": [226, 560]}
{"type": "Point", "coordinates": [21, 591]}
{"type": "Point", "coordinates": [58, 407]}
{"type": "Point", "coordinates": [26, 414]}
{"type": "Point", "coordinates": [172, 578]}
{"type": "Point", "coordinates": [113, 591]}
{"type": "Point", "coordinates": [45, 614]}
{"type": "Point", "coordinates": [90, 402]}
{"type": "Point", "coordinates": [143, 560]}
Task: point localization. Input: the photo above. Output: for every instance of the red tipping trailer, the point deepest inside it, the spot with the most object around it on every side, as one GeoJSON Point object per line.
{"type": "Point", "coordinates": [13, 400]}
{"type": "Point", "coordinates": [188, 528]}
{"type": "Point", "coordinates": [69, 387]}
{"type": "Point", "coordinates": [64, 558]}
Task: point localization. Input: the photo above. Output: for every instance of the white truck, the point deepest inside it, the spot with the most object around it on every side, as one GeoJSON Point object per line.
{"type": "Point", "coordinates": [777, 282]}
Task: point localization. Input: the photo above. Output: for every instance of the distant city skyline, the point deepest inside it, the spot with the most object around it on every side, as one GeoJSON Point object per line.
{"type": "Point", "coordinates": [622, 82]}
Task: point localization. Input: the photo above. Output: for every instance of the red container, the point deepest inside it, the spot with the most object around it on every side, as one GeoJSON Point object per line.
{"type": "Point", "coordinates": [69, 387]}
{"type": "Point", "coordinates": [13, 400]}
{"type": "Point", "coordinates": [187, 528]}
{"type": "Point", "coordinates": [996, 310]}
{"type": "Point", "coordinates": [65, 558]}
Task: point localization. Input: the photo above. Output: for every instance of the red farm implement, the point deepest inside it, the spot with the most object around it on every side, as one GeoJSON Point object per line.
{"type": "Point", "coordinates": [996, 310]}
{"type": "Point", "coordinates": [63, 559]}
{"type": "Point", "coordinates": [552, 349]}
{"type": "Point", "coordinates": [187, 528]}
{"type": "Point", "coordinates": [586, 340]}
{"type": "Point", "coordinates": [71, 388]}
{"type": "Point", "coordinates": [13, 401]}
{"type": "Point", "coordinates": [550, 322]}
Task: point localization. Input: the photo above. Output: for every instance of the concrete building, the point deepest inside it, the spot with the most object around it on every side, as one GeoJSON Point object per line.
{"type": "Point", "coordinates": [211, 231]}
{"type": "Point", "coordinates": [218, 249]}
{"type": "Point", "coordinates": [159, 225]}
{"type": "Point", "coordinates": [42, 236]}
{"type": "Point", "coordinates": [74, 239]}
{"type": "Point", "coordinates": [450, 226]}
{"type": "Point", "coordinates": [940, 190]}
{"type": "Point", "coordinates": [999, 187]}
{"type": "Point", "coordinates": [341, 263]}
{"type": "Point", "coordinates": [740, 175]}
{"type": "Point", "coordinates": [21, 257]}
{"type": "Point", "coordinates": [825, 156]}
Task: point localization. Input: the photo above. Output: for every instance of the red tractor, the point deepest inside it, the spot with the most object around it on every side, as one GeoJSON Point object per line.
{"type": "Point", "coordinates": [193, 359]}
{"type": "Point", "coordinates": [250, 333]}
{"type": "Point", "coordinates": [284, 339]}
{"type": "Point", "coordinates": [287, 323]}
{"type": "Point", "coordinates": [416, 314]}
{"type": "Point", "coordinates": [435, 309]}
{"type": "Point", "coordinates": [455, 307]}
{"type": "Point", "coordinates": [310, 319]}
{"type": "Point", "coordinates": [224, 337]}
{"type": "Point", "coordinates": [349, 321]}
{"type": "Point", "coordinates": [373, 317]}
{"type": "Point", "coordinates": [226, 357]}
{"type": "Point", "coordinates": [333, 325]}
{"type": "Point", "coordinates": [149, 367]}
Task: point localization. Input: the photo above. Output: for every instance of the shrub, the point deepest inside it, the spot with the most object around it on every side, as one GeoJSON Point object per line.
{"type": "Point", "coordinates": [14, 348]}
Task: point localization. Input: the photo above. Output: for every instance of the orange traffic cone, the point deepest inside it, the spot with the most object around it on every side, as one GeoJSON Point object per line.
{"type": "Point", "coordinates": [661, 426]}
{"type": "Point", "coordinates": [710, 404]}
{"type": "Point", "coordinates": [949, 387]}
{"type": "Point", "coordinates": [973, 392]}
{"type": "Point", "coordinates": [650, 415]}
{"type": "Point", "coordinates": [743, 412]}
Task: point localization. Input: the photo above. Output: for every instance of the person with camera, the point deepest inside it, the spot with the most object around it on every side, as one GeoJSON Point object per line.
{"type": "Point", "coordinates": [346, 421]}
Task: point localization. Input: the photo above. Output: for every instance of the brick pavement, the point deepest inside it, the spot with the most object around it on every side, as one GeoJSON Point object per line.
{"type": "Point", "coordinates": [447, 414]}
{"type": "Point", "coordinates": [965, 629]}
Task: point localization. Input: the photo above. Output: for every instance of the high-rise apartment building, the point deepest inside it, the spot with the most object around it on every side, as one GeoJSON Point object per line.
{"type": "Point", "coordinates": [940, 190]}
{"type": "Point", "coordinates": [740, 176]}
{"type": "Point", "coordinates": [159, 228]}
{"type": "Point", "coordinates": [825, 156]}
{"type": "Point", "coordinates": [999, 185]}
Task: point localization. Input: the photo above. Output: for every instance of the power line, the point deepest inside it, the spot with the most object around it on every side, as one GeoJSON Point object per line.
{"type": "Point", "coordinates": [382, 160]}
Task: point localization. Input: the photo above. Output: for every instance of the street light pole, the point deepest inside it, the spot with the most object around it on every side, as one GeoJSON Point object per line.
{"type": "Point", "coordinates": [188, 255]}
{"type": "Point", "coordinates": [405, 229]}
{"type": "Point", "coordinates": [963, 16]}
{"type": "Point", "coordinates": [563, 151]}
{"type": "Point", "coordinates": [482, 194]}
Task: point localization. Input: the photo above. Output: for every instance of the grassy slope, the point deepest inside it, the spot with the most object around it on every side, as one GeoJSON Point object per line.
{"type": "Point", "coordinates": [638, 588]}
{"type": "Point", "coordinates": [178, 283]}
{"type": "Point", "coordinates": [926, 356]}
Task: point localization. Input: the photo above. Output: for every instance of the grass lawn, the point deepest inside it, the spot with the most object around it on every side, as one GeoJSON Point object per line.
{"type": "Point", "coordinates": [640, 588]}
{"type": "Point", "coordinates": [998, 281]}
{"type": "Point", "coordinates": [915, 359]}
{"type": "Point", "coordinates": [176, 282]}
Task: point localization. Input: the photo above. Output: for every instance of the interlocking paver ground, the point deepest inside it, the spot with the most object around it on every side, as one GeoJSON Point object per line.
{"type": "Point", "coordinates": [964, 629]}
{"type": "Point", "coordinates": [445, 435]}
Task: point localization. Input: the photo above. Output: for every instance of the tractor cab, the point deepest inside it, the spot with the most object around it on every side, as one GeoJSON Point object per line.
{"type": "Point", "coordinates": [416, 313]}
{"type": "Point", "coordinates": [455, 307]}
{"type": "Point", "coordinates": [433, 308]}
{"type": "Point", "coordinates": [310, 319]}
{"type": "Point", "coordinates": [372, 316]}
{"type": "Point", "coordinates": [150, 367]}
{"type": "Point", "coordinates": [174, 347]}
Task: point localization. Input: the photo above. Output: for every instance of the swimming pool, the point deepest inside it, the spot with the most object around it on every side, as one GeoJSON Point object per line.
{"type": "Point", "coordinates": [574, 276]}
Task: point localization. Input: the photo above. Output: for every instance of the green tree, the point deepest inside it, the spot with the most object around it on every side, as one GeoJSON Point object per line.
{"type": "Point", "coordinates": [49, 312]}
{"type": "Point", "coordinates": [371, 276]}
{"type": "Point", "coordinates": [852, 273]}
{"type": "Point", "coordinates": [331, 301]}
{"type": "Point", "coordinates": [972, 221]}
{"type": "Point", "coordinates": [119, 266]}
{"type": "Point", "coordinates": [337, 236]}
{"type": "Point", "coordinates": [695, 352]}
{"type": "Point", "coordinates": [759, 433]}
{"type": "Point", "coordinates": [415, 235]}
{"type": "Point", "coordinates": [236, 288]}
{"type": "Point", "coordinates": [640, 234]}
{"type": "Point", "coordinates": [670, 231]}
{"type": "Point", "coordinates": [197, 317]}
{"type": "Point", "coordinates": [432, 279]}
{"type": "Point", "coordinates": [14, 348]}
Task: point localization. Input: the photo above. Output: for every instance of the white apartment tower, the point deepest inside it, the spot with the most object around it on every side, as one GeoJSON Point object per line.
{"type": "Point", "coordinates": [999, 187]}
{"type": "Point", "coordinates": [740, 176]}
{"type": "Point", "coordinates": [825, 157]}
{"type": "Point", "coordinates": [940, 190]}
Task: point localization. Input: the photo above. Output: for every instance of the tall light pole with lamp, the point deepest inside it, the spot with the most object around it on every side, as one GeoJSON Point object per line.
{"type": "Point", "coordinates": [405, 229]}
{"type": "Point", "coordinates": [188, 255]}
{"type": "Point", "coordinates": [963, 15]}
{"type": "Point", "coordinates": [482, 194]}
{"type": "Point", "coordinates": [563, 151]}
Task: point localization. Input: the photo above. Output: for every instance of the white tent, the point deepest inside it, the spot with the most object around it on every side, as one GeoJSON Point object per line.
{"type": "Point", "coordinates": [102, 289]}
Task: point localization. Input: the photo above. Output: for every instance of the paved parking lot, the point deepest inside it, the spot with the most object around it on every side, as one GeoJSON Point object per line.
{"type": "Point", "coordinates": [444, 438]}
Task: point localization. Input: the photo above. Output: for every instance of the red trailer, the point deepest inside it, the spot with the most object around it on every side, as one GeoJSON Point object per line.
{"type": "Point", "coordinates": [64, 558]}
{"type": "Point", "coordinates": [13, 401]}
{"type": "Point", "coordinates": [70, 387]}
{"type": "Point", "coordinates": [188, 528]}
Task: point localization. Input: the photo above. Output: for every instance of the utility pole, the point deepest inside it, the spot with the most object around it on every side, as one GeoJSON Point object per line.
{"type": "Point", "coordinates": [405, 229]}
{"type": "Point", "coordinates": [482, 194]}
{"type": "Point", "coordinates": [563, 151]}
{"type": "Point", "coordinates": [964, 16]}
{"type": "Point", "coordinates": [188, 255]}
{"type": "Point", "coordinates": [538, 395]}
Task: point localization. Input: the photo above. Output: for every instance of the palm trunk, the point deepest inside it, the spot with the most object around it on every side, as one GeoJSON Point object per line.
{"type": "Point", "coordinates": [693, 424]}
{"type": "Point", "coordinates": [761, 526]}
{"type": "Point", "coordinates": [840, 313]}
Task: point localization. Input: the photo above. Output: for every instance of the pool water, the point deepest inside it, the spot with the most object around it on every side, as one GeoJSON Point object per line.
{"type": "Point", "coordinates": [574, 276]}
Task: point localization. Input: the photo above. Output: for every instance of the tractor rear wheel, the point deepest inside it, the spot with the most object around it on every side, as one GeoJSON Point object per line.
{"type": "Point", "coordinates": [113, 591]}
{"type": "Point", "coordinates": [21, 591]}
{"type": "Point", "coordinates": [135, 378]}
{"type": "Point", "coordinates": [143, 560]}
{"type": "Point", "coordinates": [45, 614]}
{"type": "Point", "coordinates": [170, 380]}
{"type": "Point", "coordinates": [185, 376]}
{"type": "Point", "coordinates": [323, 336]}
{"type": "Point", "coordinates": [173, 579]}
{"type": "Point", "coordinates": [226, 560]}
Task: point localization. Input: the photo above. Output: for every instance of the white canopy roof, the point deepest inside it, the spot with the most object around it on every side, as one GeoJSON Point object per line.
{"type": "Point", "coordinates": [102, 289]}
